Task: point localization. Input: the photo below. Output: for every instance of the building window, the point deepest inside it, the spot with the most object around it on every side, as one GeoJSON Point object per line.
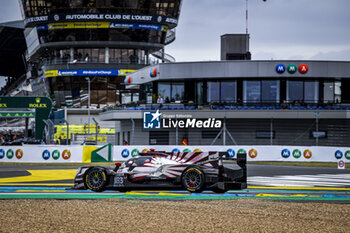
{"type": "Point", "coordinates": [294, 91]}
{"type": "Point", "coordinates": [171, 92]}
{"type": "Point", "coordinates": [213, 90]}
{"type": "Point", "coordinates": [228, 92]}
{"type": "Point", "coordinates": [302, 92]}
{"type": "Point", "coordinates": [177, 92]}
{"type": "Point", "coordinates": [252, 91]}
{"type": "Point", "coordinates": [164, 89]}
{"type": "Point", "coordinates": [337, 91]}
{"type": "Point", "coordinates": [270, 91]}
{"type": "Point", "coordinates": [310, 92]}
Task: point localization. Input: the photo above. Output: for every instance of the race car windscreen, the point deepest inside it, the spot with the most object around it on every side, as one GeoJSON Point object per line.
{"type": "Point", "coordinates": [139, 161]}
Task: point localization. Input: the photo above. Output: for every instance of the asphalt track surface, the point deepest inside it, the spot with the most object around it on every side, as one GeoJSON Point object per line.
{"type": "Point", "coordinates": [283, 183]}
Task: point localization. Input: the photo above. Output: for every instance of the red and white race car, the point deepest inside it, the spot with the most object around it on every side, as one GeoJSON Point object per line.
{"type": "Point", "coordinates": [192, 171]}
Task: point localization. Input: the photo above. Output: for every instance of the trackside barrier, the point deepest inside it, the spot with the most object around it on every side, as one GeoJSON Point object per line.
{"type": "Point", "coordinates": [254, 153]}
{"type": "Point", "coordinates": [41, 154]}
{"type": "Point", "coordinates": [108, 152]}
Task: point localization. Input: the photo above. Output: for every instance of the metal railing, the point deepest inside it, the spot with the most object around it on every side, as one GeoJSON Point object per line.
{"type": "Point", "coordinates": [89, 60]}
{"type": "Point", "coordinates": [193, 106]}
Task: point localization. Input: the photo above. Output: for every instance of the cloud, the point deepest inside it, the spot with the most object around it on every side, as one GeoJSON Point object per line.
{"type": "Point", "coordinates": [279, 29]}
{"type": "Point", "coordinates": [343, 55]}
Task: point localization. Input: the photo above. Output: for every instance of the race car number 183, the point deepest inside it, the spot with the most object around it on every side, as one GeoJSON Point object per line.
{"type": "Point", "coordinates": [119, 180]}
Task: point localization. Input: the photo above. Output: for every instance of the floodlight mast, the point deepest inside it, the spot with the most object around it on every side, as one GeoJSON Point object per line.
{"type": "Point", "coordinates": [246, 17]}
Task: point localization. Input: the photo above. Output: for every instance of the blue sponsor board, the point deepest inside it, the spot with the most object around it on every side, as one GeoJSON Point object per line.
{"type": "Point", "coordinates": [231, 153]}
{"type": "Point", "coordinates": [338, 154]}
{"type": "Point", "coordinates": [156, 27]}
{"type": "Point", "coordinates": [46, 154]}
{"type": "Point", "coordinates": [285, 153]}
{"type": "Point", "coordinates": [2, 153]}
{"type": "Point", "coordinates": [125, 153]}
{"type": "Point", "coordinates": [127, 18]}
{"type": "Point", "coordinates": [43, 27]}
{"type": "Point", "coordinates": [136, 26]}
{"type": "Point", "coordinates": [99, 72]}
{"type": "Point", "coordinates": [280, 68]}
{"type": "Point", "coordinates": [175, 150]}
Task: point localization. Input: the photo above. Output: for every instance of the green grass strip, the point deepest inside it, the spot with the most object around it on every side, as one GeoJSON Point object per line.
{"type": "Point", "coordinates": [160, 197]}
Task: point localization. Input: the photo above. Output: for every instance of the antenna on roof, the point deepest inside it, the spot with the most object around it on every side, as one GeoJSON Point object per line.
{"type": "Point", "coordinates": [246, 16]}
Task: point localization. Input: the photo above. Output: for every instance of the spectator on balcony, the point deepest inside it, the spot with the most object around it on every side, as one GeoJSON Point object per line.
{"type": "Point", "coordinates": [160, 101]}
{"type": "Point", "coordinates": [86, 58]}
{"type": "Point", "coordinates": [239, 102]}
{"type": "Point", "coordinates": [284, 104]}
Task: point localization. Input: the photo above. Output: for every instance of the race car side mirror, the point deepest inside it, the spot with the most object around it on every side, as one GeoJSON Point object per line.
{"type": "Point", "coordinates": [118, 164]}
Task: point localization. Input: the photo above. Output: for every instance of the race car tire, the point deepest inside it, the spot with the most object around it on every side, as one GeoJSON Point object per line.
{"type": "Point", "coordinates": [96, 179]}
{"type": "Point", "coordinates": [193, 179]}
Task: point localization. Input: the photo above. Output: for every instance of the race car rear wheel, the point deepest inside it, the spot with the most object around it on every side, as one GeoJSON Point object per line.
{"type": "Point", "coordinates": [95, 179]}
{"type": "Point", "coordinates": [193, 179]}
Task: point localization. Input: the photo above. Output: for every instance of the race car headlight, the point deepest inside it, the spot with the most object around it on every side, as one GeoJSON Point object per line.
{"type": "Point", "coordinates": [160, 169]}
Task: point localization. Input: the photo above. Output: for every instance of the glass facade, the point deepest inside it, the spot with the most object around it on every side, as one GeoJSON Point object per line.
{"type": "Point", "coordinates": [303, 92]}
{"type": "Point", "coordinates": [228, 92]}
{"type": "Point", "coordinates": [73, 91]}
{"type": "Point", "coordinates": [171, 92]}
{"type": "Point", "coordinates": [310, 92]}
{"type": "Point", "coordinates": [221, 92]}
{"type": "Point", "coordinates": [252, 91]}
{"type": "Point", "coordinates": [295, 91]}
{"type": "Point", "coordinates": [111, 34]}
{"type": "Point", "coordinates": [164, 90]}
{"type": "Point", "coordinates": [147, 7]}
{"type": "Point", "coordinates": [270, 91]}
{"type": "Point", "coordinates": [177, 92]}
{"type": "Point", "coordinates": [96, 55]}
{"type": "Point", "coordinates": [213, 92]}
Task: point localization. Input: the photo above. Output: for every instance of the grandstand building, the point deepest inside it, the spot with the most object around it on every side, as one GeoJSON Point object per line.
{"type": "Point", "coordinates": [72, 43]}
{"type": "Point", "coordinates": [270, 102]}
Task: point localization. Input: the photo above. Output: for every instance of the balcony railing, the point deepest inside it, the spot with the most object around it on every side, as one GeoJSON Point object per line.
{"type": "Point", "coordinates": [191, 106]}
{"type": "Point", "coordinates": [126, 61]}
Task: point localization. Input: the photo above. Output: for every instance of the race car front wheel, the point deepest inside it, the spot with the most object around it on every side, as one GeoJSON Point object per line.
{"type": "Point", "coordinates": [193, 179]}
{"type": "Point", "coordinates": [95, 179]}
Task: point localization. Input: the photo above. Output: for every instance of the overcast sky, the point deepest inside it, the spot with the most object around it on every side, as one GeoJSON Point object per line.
{"type": "Point", "coordinates": [279, 29]}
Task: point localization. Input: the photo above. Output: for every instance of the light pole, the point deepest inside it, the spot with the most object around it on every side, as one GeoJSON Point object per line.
{"type": "Point", "coordinates": [88, 79]}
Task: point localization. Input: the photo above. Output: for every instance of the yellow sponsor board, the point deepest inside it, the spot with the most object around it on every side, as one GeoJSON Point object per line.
{"type": "Point", "coordinates": [99, 139]}
{"type": "Point", "coordinates": [125, 71]}
{"type": "Point", "coordinates": [55, 73]}
{"type": "Point", "coordinates": [50, 73]}
{"type": "Point", "coordinates": [164, 28]}
{"type": "Point", "coordinates": [37, 104]}
{"type": "Point", "coordinates": [73, 25]}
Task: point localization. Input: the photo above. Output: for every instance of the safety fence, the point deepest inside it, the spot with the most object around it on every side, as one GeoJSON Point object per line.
{"type": "Point", "coordinates": [109, 153]}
